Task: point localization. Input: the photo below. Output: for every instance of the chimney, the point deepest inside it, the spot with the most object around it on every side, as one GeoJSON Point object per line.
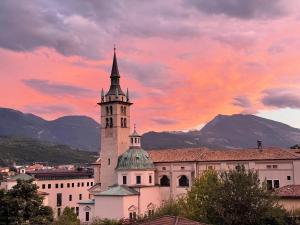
{"type": "Point", "coordinates": [259, 144]}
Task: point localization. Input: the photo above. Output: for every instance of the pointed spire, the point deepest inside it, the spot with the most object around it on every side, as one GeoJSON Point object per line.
{"type": "Point", "coordinates": [115, 88]}
{"type": "Point", "coordinates": [127, 95]}
{"type": "Point", "coordinates": [102, 95]}
{"type": "Point", "coordinates": [115, 69]}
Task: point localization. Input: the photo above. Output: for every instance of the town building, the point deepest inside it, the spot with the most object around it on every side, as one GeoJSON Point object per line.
{"type": "Point", "coordinates": [60, 188]}
{"type": "Point", "coordinates": [131, 182]}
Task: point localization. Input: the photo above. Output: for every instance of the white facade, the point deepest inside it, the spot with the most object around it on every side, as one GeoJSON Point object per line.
{"type": "Point", "coordinates": [60, 193]}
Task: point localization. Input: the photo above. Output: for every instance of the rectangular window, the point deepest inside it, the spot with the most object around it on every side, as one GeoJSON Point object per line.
{"type": "Point", "coordinates": [163, 168]}
{"type": "Point", "coordinates": [56, 185]}
{"type": "Point", "coordinates": [78, 184]}
{"type": "Point", "coordinates": [92, 183]}
{"type": "Point", "coordinates": [138, 179]}
{"type": "Point", "coordinates": [58, 199]}
{"type": "Point", "coordinates": [288, 177]}
{"type": "Point", "coordinates": [82, 184]}
{"type": "Point", "coordinates": [87, 216]}
{"type": "Point", "coordinates": [72, 184]}
{"type": "Point", "coordinates": [276, 183]}
{"type": "Point", "coordinates": [150, 179]}
{"type": "Point", "coordinates": [88, 184]}
{"type": "Point", "coordinates": [68, 185]}
{"type": "Point", "coordinates": [70, 198]}
{"type": "Point", "coordinates": [269, 184]}
{"type": "Point", "coordinates": [43, 186]}
{"type": "Point", "coordinates": [61, 185]}
{"type": "Point", "coordinates": [124, 179]}
{"type": "Point", "coordinates": [77, 211]}
{"type": "Point", "coordinates": [58, 211]}
{"type": "Point", "coordinates": [269, 166]}
{"type": "Point", "coordinates": [49, 186]}
{"type": "Point", "coordinates": [275, 166]}
{"type": "Point", "coordinates": [108, 161]}
{"type": "Point", "coordinates": [80, 196]}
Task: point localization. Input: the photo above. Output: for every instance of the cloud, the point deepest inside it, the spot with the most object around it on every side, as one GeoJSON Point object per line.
{"type": "Point", "coordinates": [49, 109]}
{"type": "Point", "coordinates": [51, 88]}
{"type": "Point", "coordinates": [237, 40]}
{"type": "Point", "coordinates": [281, 98]}
{"type": "Point", "coordinates": [153, 74]}
{"type": "Point", "coordinates": [242, 101]}
{"type": "Point", "coordinates": [164, 121]}
{"type": "Point", "coordinates": [242, 9]}
{"type": "Point", "coordinates": [87, 28]}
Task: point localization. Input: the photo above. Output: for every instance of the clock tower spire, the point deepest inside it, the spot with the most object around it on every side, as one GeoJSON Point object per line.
{"type": "Point", "coordinates": [115, 127]}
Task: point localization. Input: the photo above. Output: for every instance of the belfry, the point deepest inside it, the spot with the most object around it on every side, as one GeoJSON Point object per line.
{"type": "Point", "coordinates": [115, 129]}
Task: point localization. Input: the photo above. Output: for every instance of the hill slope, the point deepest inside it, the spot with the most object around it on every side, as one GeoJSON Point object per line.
{"type": "Point", "coordinates": [235, 131]}
{"type": "Point", "coordinates": [76, 131]}
{"type": "Point", "coordinates": [23, 151]}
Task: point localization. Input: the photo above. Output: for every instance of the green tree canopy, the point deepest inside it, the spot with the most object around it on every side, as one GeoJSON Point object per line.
{"type": "Point", "coordinates": [68, 217]}
{"type": "Point", "coordinates": [235, 197]}
{"type": "Point", "coordinates": [22, 205]}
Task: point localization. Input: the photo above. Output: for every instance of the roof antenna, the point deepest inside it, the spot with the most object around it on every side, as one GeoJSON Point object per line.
{"type": "Point", "coordinates": [114, 48]}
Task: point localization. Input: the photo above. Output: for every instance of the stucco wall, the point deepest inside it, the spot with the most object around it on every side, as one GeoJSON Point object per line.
{"type": "Point", "coordinates": [131, 177]}
{"type": "Point", "coordinates": [290, 204]}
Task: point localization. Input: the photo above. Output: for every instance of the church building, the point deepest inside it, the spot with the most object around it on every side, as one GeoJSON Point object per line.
{"type": "Point", "coordinates": [130, 181]}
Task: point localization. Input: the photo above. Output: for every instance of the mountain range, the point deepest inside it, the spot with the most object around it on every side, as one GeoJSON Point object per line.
{"type": "Point", "coordinates": [81, 132]}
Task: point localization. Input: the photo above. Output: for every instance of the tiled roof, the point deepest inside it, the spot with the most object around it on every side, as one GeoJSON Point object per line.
{"type": "Point", "coordinates": [170, 220]}
{"type": "Point", "coordinates": [135, 158]}
{"type": "Point", "coordinates": [289, 191]}
{"type": "Point", "coordinates": [21, 176]}
{"type": "Point", "coordinates": [207, 155]}
{"type": "Point", "coordinates": [120, 190]}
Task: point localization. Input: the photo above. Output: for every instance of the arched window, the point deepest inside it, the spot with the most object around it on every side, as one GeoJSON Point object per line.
{"type": "Point", "coordinates": [107, 110]}
{"type": "Point", "coordinates": [107, 123]}
{"type": "Point", "coordinates": [121, 109]}
{"type": "Point", "coordinates": [124, 110]}
{"type": "Point", "coordinates": [183, 181]}
{"type": "Point", "coordinates": [122, 124]}
{"type": "Point", "coordinates": [111, 122]}
{"type": "Point", "coordinates": [111, 110]}
{"type": "Point", "coordinates": [125, 122]}
{"type": "Point", "coordinates": [131, 140]}
{"type": "Point", "coordinates": [165, 181]}
{"type": "Point", "coordinates": [135, 140]}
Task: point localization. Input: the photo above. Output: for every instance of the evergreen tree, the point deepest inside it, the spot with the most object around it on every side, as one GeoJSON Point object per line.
{"type": "Point", "coordinates": [22, 205]}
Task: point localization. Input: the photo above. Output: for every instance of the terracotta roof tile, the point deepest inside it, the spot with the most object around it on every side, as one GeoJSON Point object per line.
{"type": "Point", "coordinates": [207, 155]}
{"type": "Point", "coordinates": [289, 191]}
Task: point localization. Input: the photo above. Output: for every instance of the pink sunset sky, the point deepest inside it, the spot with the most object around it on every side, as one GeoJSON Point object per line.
{"type": "Point", "coordinates": [184, 61]}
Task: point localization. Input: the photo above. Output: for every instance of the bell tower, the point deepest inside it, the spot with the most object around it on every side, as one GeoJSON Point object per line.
{"type": "Point", "coordinates": [115, 126]}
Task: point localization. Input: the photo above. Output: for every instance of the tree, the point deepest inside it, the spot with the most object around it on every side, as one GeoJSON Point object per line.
{"type": "Point", "coordinates": [107, 222]}
{"type": "Point", "coordinates": [68, 217]}
{"type": "Point", "coordinates": [201, 201]}
{"type": "Point", "coordinates": [22, 205]}
{"type": "Point", "coordinates": [235, 197]}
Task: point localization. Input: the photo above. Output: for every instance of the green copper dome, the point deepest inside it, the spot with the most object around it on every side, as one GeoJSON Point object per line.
{"type": "Point", "coordinates": [135, 158]}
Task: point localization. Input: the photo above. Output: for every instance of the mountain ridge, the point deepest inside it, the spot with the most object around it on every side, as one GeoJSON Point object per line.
{"type": "Point", "coordinates": [82, 132]}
